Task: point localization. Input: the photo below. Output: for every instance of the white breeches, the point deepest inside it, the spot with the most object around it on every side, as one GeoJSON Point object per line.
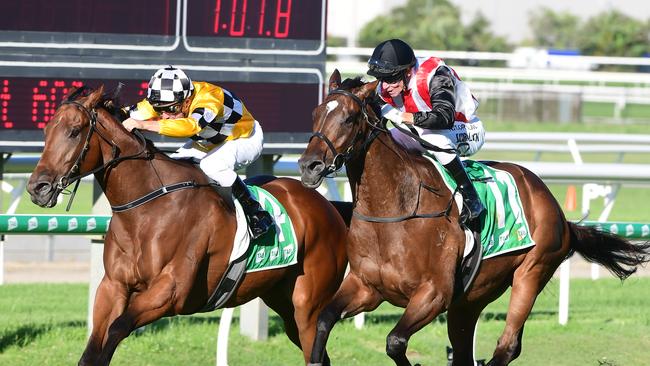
{"type": "Point", "coordinates": [220, 162]}
{"type": "Point", "coordinates": [467, 138]}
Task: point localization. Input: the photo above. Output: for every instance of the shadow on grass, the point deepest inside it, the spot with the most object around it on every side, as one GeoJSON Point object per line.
{"type": "Point", "coordinates": [393, 318]}
{"type": "Point", "coordinates": [26, 334]}
{"type": "Point", "coordinates": [276, 324]}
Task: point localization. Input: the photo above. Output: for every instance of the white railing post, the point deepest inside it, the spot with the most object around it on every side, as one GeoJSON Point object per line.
{"type": "Point", "coordinates": [253, 320]}
{"type": "Point", "coordinates": [16, 194]}
{"type": "Point", "coordinates": [565, 272]}
{"type": "Point", "coordinates": [96, 275]}
{"type": "Point", "coordinates": [101, 206]}
{"type": "Point", "coordinates": [222, 336]}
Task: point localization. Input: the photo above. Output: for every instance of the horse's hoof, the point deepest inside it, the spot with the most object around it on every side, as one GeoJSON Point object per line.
{"type": "Point", "coordinates": [314, 364]}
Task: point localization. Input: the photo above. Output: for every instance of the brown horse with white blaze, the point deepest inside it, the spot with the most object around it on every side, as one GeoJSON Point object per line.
{"type": "Point", "coordinates": [413, 261]}
{"type": "Point", "coordinates": [166, 256]}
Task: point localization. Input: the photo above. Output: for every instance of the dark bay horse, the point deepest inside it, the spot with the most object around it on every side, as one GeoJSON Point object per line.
{"type": "Point", "coordinates": [166, 256]}
{"type": "Point", "coordinates": [413, 263]}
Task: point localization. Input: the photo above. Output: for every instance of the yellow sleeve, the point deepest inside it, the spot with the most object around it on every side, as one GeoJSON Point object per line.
{"type": "Point", "coordinates": [143, 111]}
{"type": "Point", "coordinates": [180, 127]}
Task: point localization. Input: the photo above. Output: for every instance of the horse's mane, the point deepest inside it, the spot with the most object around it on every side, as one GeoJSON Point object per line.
{"type": "Point", "coordinates": [373, 99]}
{"type": "Point", "coordinates": [111, 102]}
{"type": "Point", "coordinates": [375, 102]}
{"type": "Point", "coordinates": [349, 84]}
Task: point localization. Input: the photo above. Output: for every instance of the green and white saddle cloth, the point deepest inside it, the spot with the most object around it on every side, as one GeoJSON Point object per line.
{"type": "Point", "coordinates": [503, 226]}
{"type": "Point", "coordinates": [277, 248]}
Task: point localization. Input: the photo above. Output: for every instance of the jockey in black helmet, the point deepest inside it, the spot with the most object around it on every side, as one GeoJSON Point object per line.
{"type": "Point", "coordinates": [428, 98]}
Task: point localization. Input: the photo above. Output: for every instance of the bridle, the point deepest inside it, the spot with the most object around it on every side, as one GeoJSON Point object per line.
{"type": "Point", "coordinates": [375, 130]}
{"type": "Point", "coordinates": [74, 175]}
{"type": "Point", "coordinates": [340, 158]}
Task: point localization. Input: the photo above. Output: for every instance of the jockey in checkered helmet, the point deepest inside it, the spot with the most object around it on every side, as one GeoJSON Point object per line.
{"type": "Point", "coordinates": [223, 134]}
{"type": "Point", "coordinates": [169, 86]}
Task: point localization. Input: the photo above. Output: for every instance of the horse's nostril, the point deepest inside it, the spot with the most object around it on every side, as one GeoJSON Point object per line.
{"type": "Point", "coordinates": [316, 166]}
{"type": "Point", "coordinates": [42, 187]}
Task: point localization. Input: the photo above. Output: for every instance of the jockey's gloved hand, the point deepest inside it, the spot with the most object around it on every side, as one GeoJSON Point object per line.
{"type": "Point", "coordinates": [392, 114]}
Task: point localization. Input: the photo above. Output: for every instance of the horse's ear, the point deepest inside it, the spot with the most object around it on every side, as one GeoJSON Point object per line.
{"type": "Point", "coordinates": [94, 97]}
{"type": "Point", "coordinates": [75, 92]}
{"type": "Point", "coordinates": [369, 88]}
{"type": "Point", "coordinates": [335, 80]}
{"type": "Point", "coordinates": [72, 91]}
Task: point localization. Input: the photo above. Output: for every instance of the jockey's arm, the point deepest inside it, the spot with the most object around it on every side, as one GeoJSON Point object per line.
{"type": "Point", "coordinates": [148, 125]}
{"type": "Point", "coordinates": [143, 117]}
{"type": "Point", "coordinates": [443, 101]}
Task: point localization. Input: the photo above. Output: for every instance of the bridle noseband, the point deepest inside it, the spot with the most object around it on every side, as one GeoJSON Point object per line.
{"type": "Point", "coordinates": [341, 158]}
{"type": "Point", "coordinates": [66, 180]}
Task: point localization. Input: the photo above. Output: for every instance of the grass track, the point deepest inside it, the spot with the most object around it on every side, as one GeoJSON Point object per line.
{"type": "Point", "coordinates": [609, 322]}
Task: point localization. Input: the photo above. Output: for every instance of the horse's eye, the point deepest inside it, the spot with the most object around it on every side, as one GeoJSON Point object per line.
{"type": "Point", "coordinates": [349, 120]}
{"type": "Point", "coordinates": [74, 132]}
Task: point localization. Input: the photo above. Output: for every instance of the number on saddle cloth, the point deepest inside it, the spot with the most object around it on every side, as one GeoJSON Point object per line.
{"type": "Point", "coordinates": [279, 246]}
{"type": "Point", "coordinates": [504, 227]}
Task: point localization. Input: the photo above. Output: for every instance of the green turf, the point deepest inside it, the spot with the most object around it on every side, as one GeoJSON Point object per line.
{"type": "Point", "coordinates": [609, 321]}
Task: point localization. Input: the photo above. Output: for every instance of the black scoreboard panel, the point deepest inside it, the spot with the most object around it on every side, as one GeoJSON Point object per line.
{"type": "Point", "coordinates": [28, 103]}
{"type": "Point", "coordinates": [271, 53]}
{"type": "Point", "coordinates": [81, 16]}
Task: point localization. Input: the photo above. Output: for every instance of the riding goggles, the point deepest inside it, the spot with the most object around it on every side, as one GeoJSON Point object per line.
{"type": "Point", "coordinates": [392, 79]}
{"type": "Point", "coordinates": [385, 71]}
{"type": "Point", "coordinates": [169, 108]}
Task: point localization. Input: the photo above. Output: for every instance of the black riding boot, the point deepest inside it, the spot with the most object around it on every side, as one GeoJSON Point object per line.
{"type": "Point", "coordinates": [259, 220]}
{"type": "Point", "coordinates": [470, 197]}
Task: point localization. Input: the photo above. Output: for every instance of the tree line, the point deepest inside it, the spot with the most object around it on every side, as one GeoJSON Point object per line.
{"type": "Point", "coordinates": [437, 25]}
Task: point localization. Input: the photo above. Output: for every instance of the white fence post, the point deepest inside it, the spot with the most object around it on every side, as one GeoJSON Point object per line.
{"type": "Point", "coordinates": [16, 194]}
{"type": "Point", "coordinates": [101, 206]}
{"type": "Point", "coordinates": [253, 320]}
{"type": "Point", "coordinates": [563, 311]}
{"type": "Point", "coordinates": [96, 275]}
{"type": "Point", "coordinates": [222, 336]}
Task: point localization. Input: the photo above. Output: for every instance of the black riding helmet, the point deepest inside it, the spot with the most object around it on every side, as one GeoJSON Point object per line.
{"type": "Point", "coordinates": [390, 59]}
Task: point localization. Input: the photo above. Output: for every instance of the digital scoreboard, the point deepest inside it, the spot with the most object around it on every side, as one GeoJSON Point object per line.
{"type": "Point", "coordinates": [271, 53]}
{"type": "Point", "coordinates": [28, 103]}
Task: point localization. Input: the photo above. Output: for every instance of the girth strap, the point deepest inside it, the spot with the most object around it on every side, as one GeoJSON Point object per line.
{"type": "Point", "coordinates": [155, 194]}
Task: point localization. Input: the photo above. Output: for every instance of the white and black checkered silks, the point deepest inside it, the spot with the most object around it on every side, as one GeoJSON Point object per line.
{"type": "Point", "coordinates": [215, 128]}
{"type": "Point", "coordinates": [169, 85]}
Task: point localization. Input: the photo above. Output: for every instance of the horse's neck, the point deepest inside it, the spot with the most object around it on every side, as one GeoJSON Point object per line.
{"type": "Point", "coordinates": [132, 178]}
{"type": "Point", "coordinates": [387, 179]}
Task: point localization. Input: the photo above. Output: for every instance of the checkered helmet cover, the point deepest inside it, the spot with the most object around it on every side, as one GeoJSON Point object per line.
{"type": "Point", "coordinates": [169, 85]}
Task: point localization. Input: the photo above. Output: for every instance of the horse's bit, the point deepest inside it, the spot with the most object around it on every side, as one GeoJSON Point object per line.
{"type": "Point", "coordinates": [341, 158]}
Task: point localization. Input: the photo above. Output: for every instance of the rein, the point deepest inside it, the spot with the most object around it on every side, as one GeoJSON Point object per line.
{"type": "Point", "coordinates": [74, 176]}
{"type": "Point", "coordinates": [342, 158]}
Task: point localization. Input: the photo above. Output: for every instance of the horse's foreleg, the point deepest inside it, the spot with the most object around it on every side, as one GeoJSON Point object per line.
{"type": "Point", "coordinates": [461, 328]}
{"type": "Point", "coordinates": [526, 285]}
{"type": "Point", "coordinates": [351, 299]}
{"type": "Point", "coordinates": [110, 300]}
{"type": "Point", "coordinates": [143, 308]}
{"type": "Point", "coordinates": [425, 304]}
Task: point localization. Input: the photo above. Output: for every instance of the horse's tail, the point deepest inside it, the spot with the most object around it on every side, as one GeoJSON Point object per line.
{"type": "Point", "coordinates": [617, 254]}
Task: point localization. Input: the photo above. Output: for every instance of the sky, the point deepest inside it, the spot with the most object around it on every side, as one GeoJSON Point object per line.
{"type": "Point", "coordinates": [508, 18]}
